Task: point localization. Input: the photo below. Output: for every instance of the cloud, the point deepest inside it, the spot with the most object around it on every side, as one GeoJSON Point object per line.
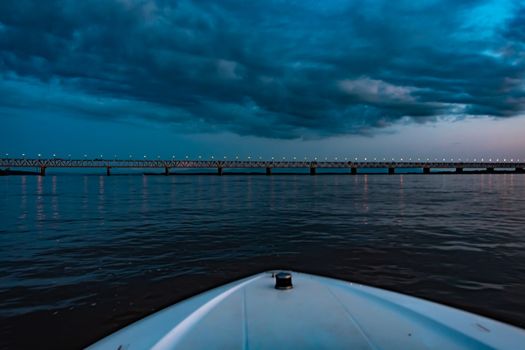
{"type": "Point", "coordinates": [270, 68]}
{"type": "Point", "coordinates": [374, 91]}
{"type": "Point", "coordinates": [228, 69]}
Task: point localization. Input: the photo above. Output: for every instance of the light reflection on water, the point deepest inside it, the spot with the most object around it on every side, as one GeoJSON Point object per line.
{"type": "Point", "coordinates": [96, 252]}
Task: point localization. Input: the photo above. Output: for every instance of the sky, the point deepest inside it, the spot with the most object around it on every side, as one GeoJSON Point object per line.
{"type": "Point", "coordinates": [262, 78]}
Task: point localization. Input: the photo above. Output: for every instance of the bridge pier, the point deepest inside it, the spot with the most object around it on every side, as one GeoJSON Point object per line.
{"type": "Point", "coordinates": [353, 171]}
{"type": "Point", "coordinates": [490, 170]}
{"type": "Point", "coordinates": [42, 171]}
{"type": "Point", "coordinates": [166, 171]}
{"type": "Point", "coordinates": [459, 170]}
{"type": "Point", "coordinates": [426, 170]}
{"type": "Point", "coordinates": [391, 171]}
{"type": "Point", "coordinates": [313, 170]}
{"type": "Point", "coordinates": [268, 171]}
{"type": "Point", "coordinates": [108, 171]}
{"type": "Point", "coordinates": [219, 171]}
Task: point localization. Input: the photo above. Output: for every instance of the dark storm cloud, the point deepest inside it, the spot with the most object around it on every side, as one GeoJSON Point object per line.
{"type": "Point", "coordinates": [282, 69]}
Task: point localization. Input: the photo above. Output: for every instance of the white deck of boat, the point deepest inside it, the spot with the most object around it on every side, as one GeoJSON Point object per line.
{"type": "Point", "coordinates": [318, 313]}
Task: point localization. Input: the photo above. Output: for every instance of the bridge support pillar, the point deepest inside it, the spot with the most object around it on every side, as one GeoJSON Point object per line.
{"type": "Point", "coordinates": [391, 171]}
{"type": "Point", "coordinates": [166, 171]}
{"type": "Point", "coordinates": [219, 171]}
{"type": "Point", "coordinates": [268, 171]}
{"type": "Point", "coordinates": [490, 170]}
{"type": "Point", "coordinates": [42, 171]}
{"type": "Point", "coordinates": [353, 170]}
{"type": "Point", "coordinates": [313, 171]}
{"type": "Point", "coordinates": [108, 171]}
{"type": "Point", "coordinates": [459, 170]}
{"type": "Point", "coordinates": [519, 170]}
{"type": "Point", "coordinates": [426, 170]}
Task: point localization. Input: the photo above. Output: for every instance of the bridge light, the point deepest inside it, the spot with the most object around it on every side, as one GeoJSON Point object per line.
{"type": "Point", "coordinates": [145, 156]}
{"type": "Point", "coordinates": [355, 158]}
{"type": "Point", "coordinates": [212, 157]}
{"type": "Point", "coordinates": [428, 159]}
{"type": "Point", "coordinates": [284, 157]}
{"type": "Point", "coordinates": [225, 157]}
{"type": "Point", "coordinates": [504, 159]}
{"type": "Point", "coordinates": [272, 158]}
{"type": "Point", "coordinates": [249, 157]}
{"type": "Point", "coordinates": [260, 158]}
{"type": "Point", "coordinates": [401, 159]}
{"type": "Point", "coordinates": [187, 157]}
{"type": "Point", "coordinates": [54, 155]}
{"type": "Point", "coordinates": [158, 157]}
{"type": "Point", "coordinates": [443, 159]}
{"type": "Point", "coordinates": [85, 155]}
{"type": "Point", "coordinates": [200, 157]}
{"type": "Point", "coordinates": [325, 158]}
{"type": "Point", "coordinates": [375, 159]}
{"type": "Point", "coordinates": [39, 155]}
{"type": "Point", "coordinates": [315, 158]}
{"type": "Point", "coordinates": [419, 159]}
{"type": "Point", "coordinates": [294, 158]}
{"type": "Point", "coordinates": [23, 154]}
{"type": "Point", "coordinates": [365, 158]}
{"type": "Point", "coordinates": [236, 157]}
{"type": "Point", "coordinates": [346, 158]}
{"type": "Point", "coordinates": [69, 155]}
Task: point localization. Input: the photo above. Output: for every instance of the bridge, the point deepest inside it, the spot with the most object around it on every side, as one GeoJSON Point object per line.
{"type": "Point", "coordinates": [220, 165]}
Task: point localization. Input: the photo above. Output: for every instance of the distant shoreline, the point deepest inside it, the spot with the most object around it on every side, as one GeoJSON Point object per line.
{"type": "Point", "coordinates": [474, 172]}
{"type": "Point", "coordinates": [9, 172]}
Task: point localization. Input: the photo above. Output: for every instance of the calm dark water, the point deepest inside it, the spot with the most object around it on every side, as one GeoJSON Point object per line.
{"type": "Point", "coordinates": [81, 256]}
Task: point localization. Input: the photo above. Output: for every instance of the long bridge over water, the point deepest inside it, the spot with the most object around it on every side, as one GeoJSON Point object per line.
{"type": "Point", "coordinates": [267, 165]}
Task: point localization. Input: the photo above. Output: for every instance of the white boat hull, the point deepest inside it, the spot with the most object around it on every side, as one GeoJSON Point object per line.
{"type": "Point", "coordinates": [317, 313]}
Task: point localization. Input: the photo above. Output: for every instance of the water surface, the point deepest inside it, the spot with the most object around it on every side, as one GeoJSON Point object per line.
{"type": "Point", "coordinates": [81, 256]}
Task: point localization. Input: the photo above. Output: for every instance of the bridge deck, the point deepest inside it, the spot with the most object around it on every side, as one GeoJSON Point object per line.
{"type": "Point", "coordinates": [242, 164]}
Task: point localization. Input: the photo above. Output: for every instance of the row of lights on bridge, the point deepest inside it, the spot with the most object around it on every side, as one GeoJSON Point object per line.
{"type": "Point", "coordinates": [306, 158]}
